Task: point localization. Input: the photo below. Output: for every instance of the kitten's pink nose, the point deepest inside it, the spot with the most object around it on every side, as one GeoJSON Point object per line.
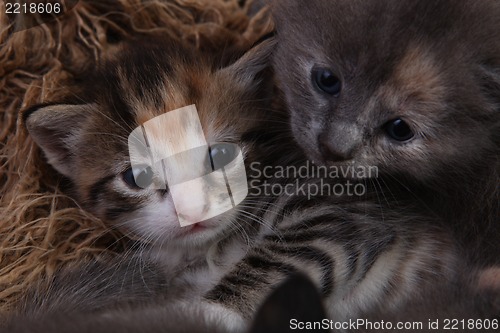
{"type": "Point", "coordinates": [194, 216]}
{"type": "Point", "coordinates": [333, 152]}
{"type": "Point", "coordinates": [191, 202]}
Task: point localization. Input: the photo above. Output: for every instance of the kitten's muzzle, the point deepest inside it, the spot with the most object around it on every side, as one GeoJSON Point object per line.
{"type": "Point", "coordinates": [333, 152]}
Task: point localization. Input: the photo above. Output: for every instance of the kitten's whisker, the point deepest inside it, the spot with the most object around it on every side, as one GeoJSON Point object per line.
{"type": "Point", "coordinates": [388, 188]}
{"type": "Point", "coordinates": [234, 225]}
{"type": "Point", "coordinates": [260, 221]}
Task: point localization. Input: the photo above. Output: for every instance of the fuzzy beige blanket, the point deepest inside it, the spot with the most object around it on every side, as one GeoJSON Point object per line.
{"type": "Point", "coordinates": [41, 229]}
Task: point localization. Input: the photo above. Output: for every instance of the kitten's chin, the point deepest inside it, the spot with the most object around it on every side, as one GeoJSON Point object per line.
{"type": "Point", "coordinates": [200, 233]}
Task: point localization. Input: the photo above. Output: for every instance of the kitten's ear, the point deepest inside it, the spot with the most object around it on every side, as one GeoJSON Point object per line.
{"type": "Point", "coordinates": [253, 63]}
{"type": "Point", "coordinates": [56, 129]}
{"type": "Point", "coordinates": [296, 299]}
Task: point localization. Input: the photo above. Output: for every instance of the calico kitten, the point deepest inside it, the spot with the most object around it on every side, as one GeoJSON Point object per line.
{"type": "Point", "coordinates": [411, 87]}
{"type": "Point", "coordinates": [85, 138]}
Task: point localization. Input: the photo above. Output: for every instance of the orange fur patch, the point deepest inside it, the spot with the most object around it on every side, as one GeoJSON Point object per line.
{"type": "Point", "coordinates": [418, 76]}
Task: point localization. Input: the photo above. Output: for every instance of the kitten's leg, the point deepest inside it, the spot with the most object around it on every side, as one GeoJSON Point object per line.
{"type": "Point", "coordinates": [297, 298]}
{"type": "Point", "coordinates": [357, 261]}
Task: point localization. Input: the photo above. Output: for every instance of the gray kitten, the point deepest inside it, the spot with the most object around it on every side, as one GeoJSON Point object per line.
{"type": "Point", "coordinates": [412, 87]}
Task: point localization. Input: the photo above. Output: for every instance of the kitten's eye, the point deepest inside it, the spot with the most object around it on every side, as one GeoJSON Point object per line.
{"type": "Point", "coordinates": [138, 178]}
{"type": "Point", "coordinates": [222, 154]}
{"type": "Point", "coordinates": [399, 130]}
{"type": "Point", "coordinates": [326, 81]}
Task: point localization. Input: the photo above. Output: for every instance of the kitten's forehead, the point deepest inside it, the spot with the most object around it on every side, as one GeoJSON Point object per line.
{"type": "Point", "coordinates": [397, 49]}
{"type": "Point", "coordinates": [417, 76]}
{"type": "Point", "coordinates": [374, 33]}
{"type": "Point", "coordinates": [147, 82]}
{"type": "Point", "coordinates": [194, 86]}
{"type": "Point", "coordinates": [143, 85]}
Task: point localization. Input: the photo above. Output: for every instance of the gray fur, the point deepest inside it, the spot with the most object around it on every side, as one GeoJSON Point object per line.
{"type": "Point", "coordinates": [436, 65]}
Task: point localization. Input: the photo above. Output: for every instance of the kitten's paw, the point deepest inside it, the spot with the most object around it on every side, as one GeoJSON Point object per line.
{"type": "Point", "coordinates": [224, 318]}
